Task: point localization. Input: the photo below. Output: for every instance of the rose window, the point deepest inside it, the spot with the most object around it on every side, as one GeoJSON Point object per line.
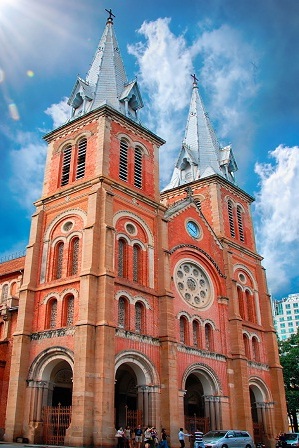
{"type": "Point", "coordinates": [193, 284]}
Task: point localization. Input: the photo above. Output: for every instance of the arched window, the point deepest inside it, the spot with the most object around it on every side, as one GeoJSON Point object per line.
{"type": "Point", "coordinates": [13, 289]}
{"type": "Point", "coordinates": [240, 224]}
{"type": "Point", "coordinates": [209, 337]}
{"type": "Point", "coordinates": [138, 168]}
{"type": "Point", "coordinates": [80, 172]}
{"type": "Point", "coordinates": [122, 258]}
{"type": "Point", "coordinates": [69, 310]}
{"type": "Point", "coordinates": [255, 349]}
{"type": "Point", "coordinates": [58, 260]}
{"type": "Point", "coordinates": [51, 320]}
{"type": "Point", "coordinates": [4, 292]}
{"type": "Point", "coordinates": [137, 263]}
{"type": "Point", "coordinates": [250, 306]}
{"type": "Point", "coordinates": [66, 165]}
{"type": "Point", "coordinates": [196, 333]}
{"type": "Point", "coordinates": [246, 346]}
{"type": "Point", "coordinates": [122, 313]}
{"type": "Point", "coordinates": [139, 312]}
{"type": "Point", "coordinates": [241, 303]}
{"type": "Point", "coordinates": [74, 256]}
{"type": "Point", "coordinates": [123, 160]}
{"type": "Point", "coordinates": [230, 209]}
{"type": "Point", "coordinates": [183, 330]}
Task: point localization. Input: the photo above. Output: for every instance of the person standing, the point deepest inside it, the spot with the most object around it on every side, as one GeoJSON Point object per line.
{"type": "Point", "coordinates": [163, 441]}
{"type": "Point", "coordinates": [181, 436]}
{"type": "Point", "coordinates": [198, 442]}
{"type": "Point", "coordinates": [138, 436]}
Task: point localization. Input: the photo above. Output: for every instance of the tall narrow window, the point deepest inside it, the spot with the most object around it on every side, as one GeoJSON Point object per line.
{"type": "Point", "coordinates": [122, 312]}
{"type": "Point", "coordinates": [241, 303]}
{"type": "Point", "coordinates": [240, 224]}
{"type": "Point", "coordinates": [58, 260]}
{"type": "Point", "coordinates": [81, 158]}
{"type": "Point", "coordinates": [138, 168]}
{"type": "Point", "coordinates": [138, 317]}
{"type": "Point", "coordinates": [230, 210]}
{"type": "Point", "coordinates": [195, 329]}
{"type": "Point", "coordinates": [123, 160]}
{"type": "Point", "coordinates": [4, 292]}
{"type": "Point", "coordinates": [74, 256]}
{"type": "Point", "coordinates": [137, 263]}
{"type": "Point", "coordinates": [209, 337]}
{"type": "Point", "coordinates": [255, 349]}
{"type": "Point", "coordinates": [66, 165]}
{"type": "Point", "coordinates": [69, 311]}
{"type": "Point", "coordinates": [122, 258]}
{"type": "Point", "coordinates": [250, 306]}
{"type": "Point", "coordinates": [183, 330]}
{"type": "Point", "coordinates": [53, 313]}
{"type": "Point", "coordinates": [246, 346]}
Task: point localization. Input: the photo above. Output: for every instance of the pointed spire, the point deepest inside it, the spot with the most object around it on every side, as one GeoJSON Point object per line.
{"type": "Point", "coordinates": [201, 155]}
{"type": "Point", "coordinates": [106, 81]}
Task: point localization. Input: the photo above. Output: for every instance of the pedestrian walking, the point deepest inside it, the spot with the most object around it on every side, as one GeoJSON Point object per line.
{"type": "Point", "coordinates": [181, 436]}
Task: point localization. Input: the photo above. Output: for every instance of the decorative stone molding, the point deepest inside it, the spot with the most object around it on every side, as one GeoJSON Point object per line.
{"type": "Point", "coordinates": [202, 353]}
{"type": "Point", "coordinates": [258, 365]}
{"type": "Point", "coordinates": [137, 337]}
{"type": "Point", "coordinates": [57, 333]}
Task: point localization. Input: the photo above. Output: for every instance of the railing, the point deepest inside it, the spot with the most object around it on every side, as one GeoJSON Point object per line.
{"type": "Point", "coordinates": [12, 256]}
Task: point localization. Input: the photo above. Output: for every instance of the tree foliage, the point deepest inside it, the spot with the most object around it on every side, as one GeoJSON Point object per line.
{"type": "Point", "coordinates": [289, 358]}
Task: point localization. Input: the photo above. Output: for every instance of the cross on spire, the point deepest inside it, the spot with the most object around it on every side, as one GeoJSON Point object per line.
{"type": "Point", "coordinates": [194, 79]}
{"type": "Point", "coordinates": [111, 15]}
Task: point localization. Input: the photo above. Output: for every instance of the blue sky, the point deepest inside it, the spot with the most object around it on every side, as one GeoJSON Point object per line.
{"type": "Point", "coordinates": [245, 55]}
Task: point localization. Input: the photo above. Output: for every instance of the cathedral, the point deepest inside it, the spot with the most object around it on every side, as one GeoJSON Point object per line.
{"type": "Point", "coordinates": [136, 306]}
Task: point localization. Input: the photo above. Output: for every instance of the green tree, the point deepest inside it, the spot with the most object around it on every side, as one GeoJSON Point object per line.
{"type": "Point", "coordinates": [289, 358]}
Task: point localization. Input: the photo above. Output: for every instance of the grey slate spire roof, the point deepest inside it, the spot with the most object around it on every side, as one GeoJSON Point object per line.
{"type": "Point", "coordinates": [106, 81]}
{"type": "Point", "coordinates": [201, 155]}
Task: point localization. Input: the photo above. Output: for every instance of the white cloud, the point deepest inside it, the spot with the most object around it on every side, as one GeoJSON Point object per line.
{"type": "Point", "coordinates": [28, 164]}
{"type": "Point", "coordinates": [278, 211]}
{"type": "Point", "coordinates": [59, 113]}
{"type": "Point", "coordinates": [227, 74]}
{"type": "Point", "coordinates": [165, 66]}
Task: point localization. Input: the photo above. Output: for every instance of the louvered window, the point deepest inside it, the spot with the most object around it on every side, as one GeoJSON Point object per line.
{"type": "Point", "coordinates": [59, 260]}
{"type": "Point", "coordinates": [70, 311]}
{"type": "Point", "coordinates": [122, 258]}
{"type": "Point", "coordinates": [231, 218]}
{"type": "Point", "coordinates": [122, 312]}
{"type": "Point", "coordinates": [255, 349]}
{"type": "Point", "coordinates": [183, 330]}
{"type": "Point", "coordinates": [66, 165]}
{"type": "Point", "coordinates": [240, 224]}
{"type": "Point", "coordinates": [195, 328]}
{"type": "Point", "coordinates": [138, 317]}
{"type": "Point", "coordinates": [138, 168]}
{"type": "Point", "coordinates": [53, 313]}
{"type": "Point", "coordinates": [81, 158]}
{"type": "Point", "coordinates": [123, 160]}
{"type": "Point", "coordinates": [74, 262]}
{"type": "Point", "coordinates": [137, 263]}
{"type": "Point", "coordinates": [4, 292]}
{"type": "Point", "coordinates": [208, 337]}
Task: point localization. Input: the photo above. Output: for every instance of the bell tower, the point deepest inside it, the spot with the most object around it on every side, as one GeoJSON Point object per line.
{"type": "Point", "coordinates": [101, 163]}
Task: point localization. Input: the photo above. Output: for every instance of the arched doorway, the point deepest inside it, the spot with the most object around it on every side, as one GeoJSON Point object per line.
{"type": "Point", "coordinates": [126, 396]}
{"type": "Point", "coordinates": [50, 383]}
{"type": "Point", "coordinates": [136, 390]}
{"type": "Point", "coordinates": [62, 380]}
{"type": "Point", "coordinates": [261, 410]}
{"type": "Point", "coordinates": [202, 400]}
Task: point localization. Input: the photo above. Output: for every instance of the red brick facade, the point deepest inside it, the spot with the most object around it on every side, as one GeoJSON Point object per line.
{"type": "Point", "coordinates": [135, 302]}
